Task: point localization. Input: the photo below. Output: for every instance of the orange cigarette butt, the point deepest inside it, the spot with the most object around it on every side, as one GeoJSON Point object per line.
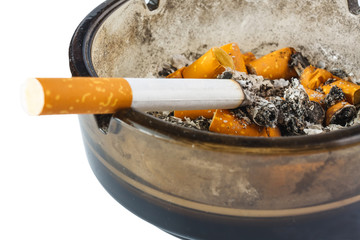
{"type": "Point", "coordinates": [248, 57]}
{"type": "Point", "coordinates": [193, 114]}
{"type": "Point", "coordinates": [225, 122]}
{"type": "Point", "coordinates": [234, 51]}
{"type": "Point", "coordinates": [351, 90]}
{"type": "Point", "coordinates": [273, 132]}
{"type": "Point", "coordinates": [338, 111]}
{"type": "Point", "coordinates": [313, 77]}
{"type": "Point", "coordinates": [177, 73]}
{"type": "Point", "coordinates": [315, 96]}
{"type": "Point", "coordinates": [209, 65]}
{"type": "Point", "coordinates": [80, 95]}
{"type": "Point", "coordinates": [274, 65]}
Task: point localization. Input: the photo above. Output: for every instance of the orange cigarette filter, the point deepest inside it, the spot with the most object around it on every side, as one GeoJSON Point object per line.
{"type": "Point", "coordinates": [177, 73]}
{"type": "Point", "coordinates": [333, 110]}
{"type": "Point", "coordinates": [194, 114]}
{"type": "Point", "coordinates": [248, 57]}
{"type": "Point", "coordinates": [274, 65]}
{"type": "Point", "coordinates": [227, 123]}
{"type": "Point", "coordinates": [315, 96]}
{"type": "Point", "coordinates": [234, 52]}
{"type": "Point", "coordinates": [351, 90]}
{"type": "Point", "coordinates": [273, 132]}
{"type": "Point", "coordinates": [209, 65]}
{"type": "Point", "coordinates": [313, 77]}
{"type": "Point", "coordinates": [77, 95]}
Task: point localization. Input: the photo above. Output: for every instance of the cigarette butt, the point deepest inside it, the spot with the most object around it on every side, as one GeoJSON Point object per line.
{"type": "Point", "coordinates": [209, 65]}
{"type": "Point", "coordinates": [313, 77]}
{"type": "Point", "coordinates": [317, 111]}
{"type": "Point", "coordinates": [274, 65]}
{"type": "Point", "coordinates": [234, 51]}
{"type": "Point", "coordinates": [90, 95]}
{"type": "Point", "coordinates": [194, 114]}
{"type": "Point", "coordinates": [340, 113]}
{"type": "Point", "coordinates": [351, 90]}
{"type": "Point", "coordinates": [76, 95]}
{"type": "Point", "coordinates": [248, 57]}
{"type": "Point", "coordinates": [227, 123]}
{"type": "Point", "coordinates": [273, 131]}
{"type": "Point", "coordinates": [315, 96]}
{"type": "Point", "coordinates": [177, 73]}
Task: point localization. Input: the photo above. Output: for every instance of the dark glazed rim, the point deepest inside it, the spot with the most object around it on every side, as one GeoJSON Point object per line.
{"type": "Point", "coordinates": [81, 65]}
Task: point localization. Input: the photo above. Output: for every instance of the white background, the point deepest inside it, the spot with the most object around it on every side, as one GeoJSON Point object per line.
{"type": "Point", "coordinates": [47, 189]}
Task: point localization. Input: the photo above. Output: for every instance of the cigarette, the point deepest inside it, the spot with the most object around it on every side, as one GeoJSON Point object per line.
{"type": "Point", "coordinates": [313, 77]}
{"type": "Point", "coordinates": [248, 57]}
{"type": "Point", "coordinates": [227, 123]}
{"type": "Point", "coordinates": [234, 51]}
{"type": "Point", "coordinates": [209, 65]}
{"type": "Point", "coordinates": [194, 114]}
{"type": "Point", "coordinates": [351, 90]}
{"type": "Point", "coordinates": [340, 113]}
{"type": "Point", "coordinates": [90, 95]}
{"type": "Point", "coordinates": [274, 65]}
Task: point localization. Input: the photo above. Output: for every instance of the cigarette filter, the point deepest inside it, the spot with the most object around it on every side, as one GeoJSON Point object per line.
{"type": "Point", "coordinates": [87, 95]}
{"type": "Point", "coordinates": [351, 90]}
{"type": "Point", "coordinates": [226, 122]}
{"type": "Point", "coordinates": [248, 57]}
{"type": "Point", "coordinates": [313, 77]}
{"type": "Point", "coordinates": [209, 65]}
{"type": "Point", "coordinates": [234, 51]}
{"type": "Point", "coordinates": [273, 132]}
{"type": "Point", "coordinates": [274, 65]}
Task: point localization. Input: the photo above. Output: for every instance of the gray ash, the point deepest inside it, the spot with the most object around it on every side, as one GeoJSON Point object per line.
{"type": "Point", "coordinates": [176, 62]}
{"type": "Point", "coordinates": [334, 96]}
{"type": "Point", "coordinates": [200, 123]}
{"type": "Point", "coordinates": [298, 62]}
{"type": "Point", "coordinates": [241, 114]}
{"type": "Point", "coordinates": [166, 70]}
{"type": "Point", "coordinates": [263, 112]}
{"type": "Point", "coordinates": [339, 73]}
{"type": "Point", "coordinates": [296, 110]}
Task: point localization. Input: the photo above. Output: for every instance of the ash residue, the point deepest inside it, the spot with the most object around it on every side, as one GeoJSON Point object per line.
{"type": "Point", "coordinates": [334, 96]}
{"type": "Point", "coordinates": [273, 103]}
{"type": "Point", "coordinates": [296, 111]}
{"type": "Point", "coordinates": [200, 123]}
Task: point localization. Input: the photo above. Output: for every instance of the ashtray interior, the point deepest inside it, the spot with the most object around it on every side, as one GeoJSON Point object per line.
{"type": "Point", "coordinates": [135, 36]}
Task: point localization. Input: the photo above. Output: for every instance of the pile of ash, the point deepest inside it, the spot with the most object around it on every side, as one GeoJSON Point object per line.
{"type": "Point", "coordinates": [280, 103]}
